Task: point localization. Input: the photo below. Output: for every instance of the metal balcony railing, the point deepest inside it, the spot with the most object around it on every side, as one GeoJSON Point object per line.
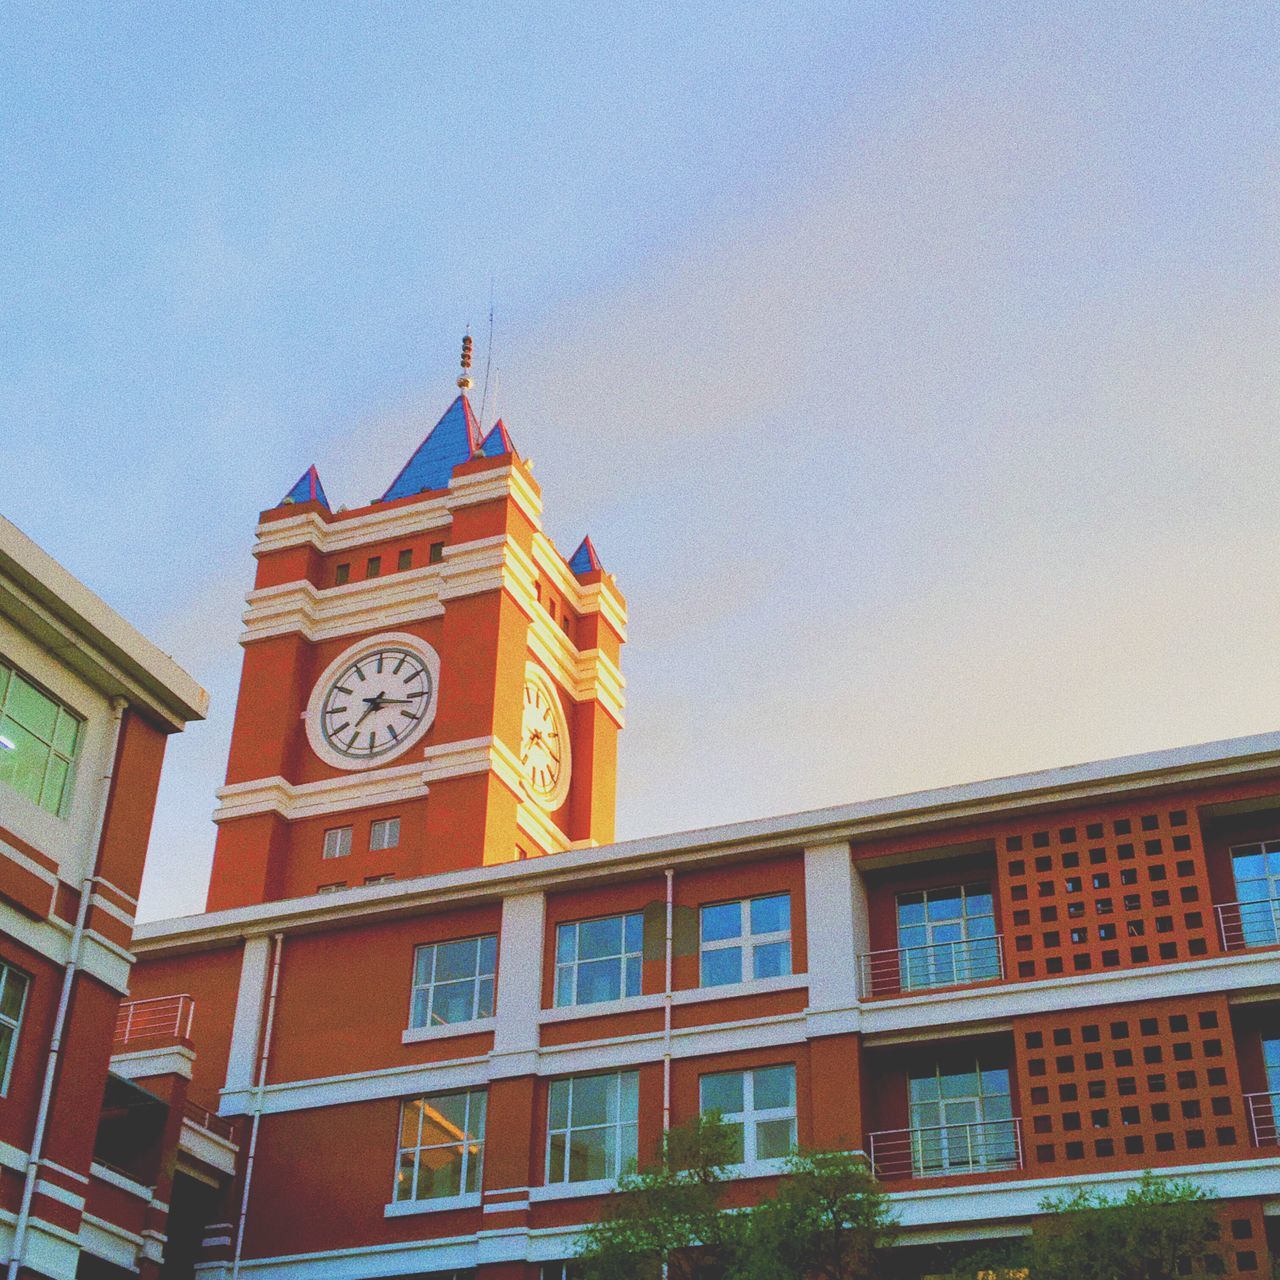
{"type": "Point", "coordinates": [161, 1018]}
{"type": "Point", "coordinates": [1249, 924]}
{"type": "Point", "coordinates": [215, 1124]}
{"type": "Point", "coordinates": [901, 970]}
{"type": "Point", "coordinates": [1264, 1118]}
{"type": "Point", "coordinates": [938, 1151]}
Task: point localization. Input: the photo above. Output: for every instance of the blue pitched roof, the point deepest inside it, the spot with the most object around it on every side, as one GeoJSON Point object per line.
{"type": "Point", "coordinates": [453, 440]}
{"type": "Point", "coordinates": [307, 489]}
{"type": "Point", "coordinates": [585, 560]}
{"type": "Point", "coordinates": [497, 442]}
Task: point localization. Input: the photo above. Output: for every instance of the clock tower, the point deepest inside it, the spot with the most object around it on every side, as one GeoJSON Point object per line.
{"type": "Point", "coordinates": [428, 684]}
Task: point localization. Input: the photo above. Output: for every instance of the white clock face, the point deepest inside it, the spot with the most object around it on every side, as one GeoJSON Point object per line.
{"type": "Point", "coordinates": [544, 743]}
{"type": "Point", "coordinates": [374, 702]}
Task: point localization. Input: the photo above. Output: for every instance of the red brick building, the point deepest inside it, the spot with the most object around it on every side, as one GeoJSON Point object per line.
{"type": "Point", "coordinates": [86, 706]}
{"type": "Point", "coordinates": [443, 1010]}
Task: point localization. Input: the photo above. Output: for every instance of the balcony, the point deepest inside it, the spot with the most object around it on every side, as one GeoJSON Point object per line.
{"type": "Point", "coordinates": [143, 1022]}
{"type": "Point", "coordinates": [1264, 1118]}
{"type": "Point", "coordinates": [1249, 924]}
{"type": "Point", "coordinates": [904, 970]}
{"type": "Point", "coordinates": [946, 1150]}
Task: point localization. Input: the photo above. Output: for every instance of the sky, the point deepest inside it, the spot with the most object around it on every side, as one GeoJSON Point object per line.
{"type": "Point", "coordinates": [913, 366]}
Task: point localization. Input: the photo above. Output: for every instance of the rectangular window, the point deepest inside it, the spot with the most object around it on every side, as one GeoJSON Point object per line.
{"type": "Point", "coordinates": [760, 1108]}
{"type": "Point", "coordinates": [1256, 868]}
{"type": "Point", "coordinates": [441, 1145]}
{"type": "Point", "coordinates": [373, 566]}
{"type": "Point", "coordinates": [337, 842]}
{"type": "Point", "coordinates": [342, 574]}
{"type": "Point", "coordinates": [384, 834]}
{"type": "Point", "coordinates": [591, 1127]}
{"type": "Point", "coordinates": [405, 559]}
{"type": "Point", "coordinates": [598, 959]}
{"type": "Point", "coordinates": [453, 981]}
{"type": "Point", "coordinates": [39, 739]}
{"type": "Point", "coordinates": [331, 888]}
{"type": "Point", "coordinates": [947, 936]}
{"type": "Point", "coordinates": [435, 553]}
{"type": "Point", "coordinates": [13, 1001]}
{"type": "Point", "coordinates": [383, 879]}
{"type": "Point", "coordinates": [744, 940]}
{"type": "Point", "coordinates": [962, 1120]}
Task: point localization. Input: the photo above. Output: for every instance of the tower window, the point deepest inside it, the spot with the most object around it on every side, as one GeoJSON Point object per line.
{"type": "Point", "coordinates": [435, 553]}
{"type": "Point", "coordinates": [13, 1000]}
{"type": "Point", "coordinates": [405, 559]}
{"type": "Point", "coordinates": [39, 742]}
{"type": "Point", "coordinates": [383, 879]}
{"type": "Point", "coordinates": [342, 574]}
{"type": "Point", "coordinates": [331, 888]}
{"type": "Point", "coordinates": [373, 567]}
{"type": "Point", "coordinates": [337, 842]}
{"type": "Point", "coordinates": [384, 834]}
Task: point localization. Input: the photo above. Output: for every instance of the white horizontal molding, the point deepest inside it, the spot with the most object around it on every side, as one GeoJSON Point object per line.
{"type": "Point", "coordinates": [537, 825]}
{"type": "Point", "coordinates": [167, 1060]}
{"type": "Point", "coordinates": [595, 597]}
{"type": "Point", "coordinates": [495, 485]}
{"type": "Point", "coordinates": [408, 1208]}
{"type": "Point", "coordinates": [309, 529]}
{"type": "Point", "coordinates": [110, 1242]}
{"type": "Point", "coordinates": [139, 1190]}
{"type": "Point", "coordinates": [208, 1148]}
{"type": "Point", "coordinates": [331, 612]}
{"type": "Point", "coordinates": [585, 673]}
{"type": "Point", "coordinates": [447, 1030]}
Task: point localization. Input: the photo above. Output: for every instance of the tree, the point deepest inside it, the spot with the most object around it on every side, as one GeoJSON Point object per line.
{"type": "Point", "coordinates": [825, 1222]}
{"type": "Point", "coordinates": [672, 1213]}
{"type": "Point", "coordinates": [1158, 1229]}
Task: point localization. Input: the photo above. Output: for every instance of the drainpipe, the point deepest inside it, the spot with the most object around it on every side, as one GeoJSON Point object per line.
{"type": "Point", "coordinates": [64, 1004]}
{"type": "Point", "coordinates": [259, 1089]}
{"type": "Point", "coordinates": [666, 1008]}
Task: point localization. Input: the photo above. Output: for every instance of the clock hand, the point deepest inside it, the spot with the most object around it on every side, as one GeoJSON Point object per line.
{"type": "Point", "coordinates": [375, 704]}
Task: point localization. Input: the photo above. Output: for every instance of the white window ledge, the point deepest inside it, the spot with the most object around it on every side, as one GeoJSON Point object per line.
{"type": "Point", "coordinates": [123, 1181]}
{"type": "Point", "coordinates": [757, 986]}
{"type": "Point", "coordinates": [758, 1169]}
{"type": "Point", "coordinates": [603, 1008]}
{"type": "Point", "coordinates": [571, 1190]}
{"type": "Point", "coordinates": [404, 1208]}
{"type": "Point", "coordinates": [444, 1030]}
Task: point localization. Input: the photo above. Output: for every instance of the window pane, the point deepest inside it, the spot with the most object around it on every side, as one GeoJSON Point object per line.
{"type": "Point", "coordinates": [629, 1096]}
{"type": "Point", "coordinates": [600, 938]}
{"type": "Point", "coordinates": [995, 1082]}
{"type": "Point", "coordinates": [599, 980]}
{"type": "Point", "coordinates": [564, 986]}
{"type": "Point", "coordinates": [977, 902]}
{"type": "Point", "coordinates": [484, 1000]}
{"type": "Point", "coordinates": [722, 921]}
{"type": "Point", "coordinates": [15, 986]}
{"type": "Point", "coordinates": [722, 1092]}
{"type": "Point", "coordinates": [627, 1148]}
{"type": "Point", "coordinates": [66, 734]}
{"type": "Point", "coordinates": [453, 1002]}
{"type": "Point", "coordinates": [1249, 866]}
{"type": "Point", "coordinates": [422, 965]}
{"type": "Point", "coordinates": [924, 1088]}
{"type": "Point", "coordinates": [55, 781]}
{"type": "Point", "coordinates": [420, 1013]}
{"type": "Point", "coordinates": [566, 942]}
{"type": "Point", "coordinates": [721, 966]}
{"type": "Point", "coordinates": [591, 1099]}
{"type": "Point", "coordinates": [405, 1189]}
{"type": "Point", "coordinates": [558, 1104]}
{"type": "Point", "coordinates": [444, 1119]}
{"type": "Point", "coordinates": [961, 1085]}
{"type": "Point", "coordinates": [944, 904]}
{"type": "Point", "coordinates": [456, 960]}
{"type": "Point", "coordinates": [587, 1155]}
{"type": "Point", "coordinates": [489, 954]}
{"type": "Point", "coordinates": [771, 915]}
{"type": "Point", "coordinates": [410, 1115]}
{"type": "Point", "coordinates": [439, 1172]}
{"type": "Point", "coordinates": [633, 976]}
{"type": "Point", "coordinates": [635, 932]}
{"type": "Point", "coordinates": [774, 1087]}
{"type": "Point", "coordinates": [911, 908]}
{"type": "Point", "coordinates": [775, 1139]}
{"type": "Point", "coordinates": [559, 1146]}
{"type": "Point", "coordinates": [32, 709]}
{"type": "Point", "coordinates": [773, 960]}
{"type": "Point", "coordinates": [23, 767]}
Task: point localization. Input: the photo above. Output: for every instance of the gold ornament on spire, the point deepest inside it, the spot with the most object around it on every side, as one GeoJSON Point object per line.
{"type": "Point", "coordinates": [464, 378]}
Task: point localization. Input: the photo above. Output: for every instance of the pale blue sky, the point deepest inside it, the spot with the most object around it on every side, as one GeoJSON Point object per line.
{"type": "Point", "coordinates": [913, 366]}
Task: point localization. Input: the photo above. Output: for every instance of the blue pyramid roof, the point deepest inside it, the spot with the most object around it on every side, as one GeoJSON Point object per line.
{"type": "Point", "coordinates": [497, 442]}
{"type": "Point", "coordinates": [453, 440]}
{"type": "Point", "coordinates": [585, 560]}
{"type": "Point", "coordinates": [307, 489]}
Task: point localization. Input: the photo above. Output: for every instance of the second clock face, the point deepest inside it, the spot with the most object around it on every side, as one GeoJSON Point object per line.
{"type": "Point", "coordinates": [376, 704]}
{"type": "Point", "coordinates": [544, 743]}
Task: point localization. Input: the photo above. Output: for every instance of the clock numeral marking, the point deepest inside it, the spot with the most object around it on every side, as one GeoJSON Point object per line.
{"type": "Point", "coordinates": [360, 674]}
{"type": "Point", "coordinates": [340, 728]}
{"type": "Point", "coordinates": [395, 671]}
{"type": "Point", "coordinates": [372, 734]}
{"type": "Point", "coordinates": [378, 668]}
{"type": "Point", "coordinates": [392, 734]}
{"type": "Point", "coordinates": [338, 688]}
{"type": "Point", "coordinates": [408, 715]}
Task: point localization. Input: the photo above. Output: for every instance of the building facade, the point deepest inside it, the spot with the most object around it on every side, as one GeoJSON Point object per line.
{"type": "Point", "coordinates": [442, 1011]}
{"type": "Point", "coordinates": [86, 707]}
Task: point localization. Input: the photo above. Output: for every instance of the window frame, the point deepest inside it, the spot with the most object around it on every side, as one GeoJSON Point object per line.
{"type": "Point", "coordinates": [14, 1023]}
{"type": "Point", "coordinates": [385, 824]}
{"type": "Point", "coordinates": [478, 979]}
{"type": "Point", "coordinates": [745, 942]}
{"type": "Point", "coordinates": [946, 1163]}
{"type": "Point", "coordinates": [624, 957]}
{"type": "Point", "coordinates": [624, 1160]}
{"type": "Point", "coordinates": [750, 1118]}
{"type": "Point", "coordinates": [341, 852]}
{"type": "Point", "coordinates": [467, 1142]}
{"type": "Point", "coordinates": [959, 967]}
{"type": "Point", "coordinates": [1257, 929]}
{"type": "Point", "coordinates": [69, 758]}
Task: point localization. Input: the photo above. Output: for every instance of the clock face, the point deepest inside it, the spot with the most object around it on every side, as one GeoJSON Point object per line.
{"type": "Point", "coordinates": [544, 743]}
{"type": "Point", "coordinates": [373, 703]}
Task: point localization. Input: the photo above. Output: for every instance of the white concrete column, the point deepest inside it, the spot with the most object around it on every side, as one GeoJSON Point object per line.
{"type": "Point", "coordinates": [835, 914]}
{"type": "Point", "coordinates": [246, 1026]}
{"type": "Point", "coordinates": [519, 1000]}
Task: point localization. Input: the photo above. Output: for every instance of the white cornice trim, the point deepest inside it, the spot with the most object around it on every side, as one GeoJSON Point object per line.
{"type": "Point", "coordinates": [168, 1060]}
{"type": "Point", "coordinates": [540, 829]}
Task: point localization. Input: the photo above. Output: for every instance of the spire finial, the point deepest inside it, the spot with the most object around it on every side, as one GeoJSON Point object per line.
{"type": "Point", "coordinates": [464, 378]}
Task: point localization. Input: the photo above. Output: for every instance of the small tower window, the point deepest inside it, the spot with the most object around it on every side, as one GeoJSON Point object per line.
{"type": "Point", "coordinates": [405, 559]}
{"type": "Point", "coordinates": [337, 842]}
{"type": "Point", "coordinates": [373, 567]}
{"type": "Point", "coordinates": [331, 888]}
{"type": "Point", "coordinates": [342, 574]}
{"type": "Point", "coordinates": [435, 553]}
{"type": "Point", "coordinates": [384, 834]}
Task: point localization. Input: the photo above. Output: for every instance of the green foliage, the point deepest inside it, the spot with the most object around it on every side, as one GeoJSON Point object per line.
{"type": "Point", "coordinates": [826, 1222]}
{"type": "Point", "coordinates": [671, 1213]}
{"type": "Point", "coordinates": [1158, 1230]}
